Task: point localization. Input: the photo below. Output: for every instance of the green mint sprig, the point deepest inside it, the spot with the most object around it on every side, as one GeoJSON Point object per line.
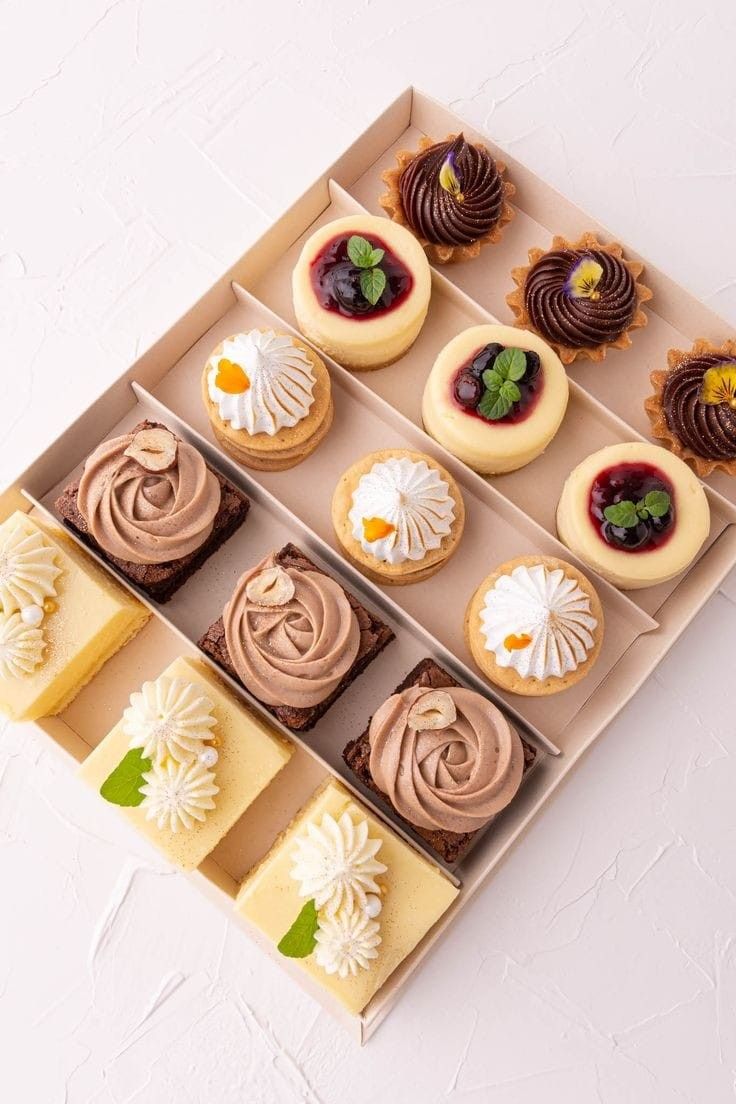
{"type": "Point", "coordinates": [299, 941]}
{"type": "Point", "coordinates": [365, 257]}
{"type": "Point", "coordinates": [627, 514]}
{"type": "Point", "coordinates": [500, 382]}
{"type": "Point", "coordinates": [123, 785]}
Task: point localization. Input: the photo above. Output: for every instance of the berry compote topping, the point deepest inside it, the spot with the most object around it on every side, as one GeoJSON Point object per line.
{"type": "Point", "coordinates": [632, 507]}
{"type": "Point", "coordinates": [498, 384]}
{"type": "Point", "coordinates": [336, 280]}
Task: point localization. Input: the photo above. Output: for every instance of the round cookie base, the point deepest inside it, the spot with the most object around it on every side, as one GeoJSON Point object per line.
{"type": "Point", "coordinates": [506, 677]}
{"type": "Point", "coordinates": [392, 574]}
{"type": "Point", "coordinates": [261, 461]}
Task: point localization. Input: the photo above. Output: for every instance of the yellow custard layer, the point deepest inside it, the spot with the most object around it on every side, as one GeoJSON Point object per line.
{"type": "Point", "coordinates": [250, 755]}
{"type": "Point", "coordinates": [94, 618]}
{"type": "Point", "coordinates": [415, 894]}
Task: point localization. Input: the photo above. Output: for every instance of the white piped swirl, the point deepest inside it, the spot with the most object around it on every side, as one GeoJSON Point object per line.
{"type": "Point", "coordinates": [178, 795]}
{"type": "Point", "coordinates": [28, 571]}
{"type": "Point", "coordinates": [547, 606]}
{"type": "Point", "coordinates": [21, 646]}
{"type": "Point", "coordinates": [169, 718]}
{"type": "Point", "coordinates": [414, 503]}
{"type": "Point", "coordinates": [280, 382]}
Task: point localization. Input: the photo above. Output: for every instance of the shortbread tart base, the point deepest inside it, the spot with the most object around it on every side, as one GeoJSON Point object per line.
{"type": "Point", "coordinates": [412, 571]}
{"type": "Point", "coordinates": [289, 446]}
{"type": "Point", "coordinates": [439, 253]}
{"type": "Point", "coordinates": [570, 353]}
{"type": "Point", "coordinates": [506, 677]}
{"type": "Point", "coordinates": [701, 465]}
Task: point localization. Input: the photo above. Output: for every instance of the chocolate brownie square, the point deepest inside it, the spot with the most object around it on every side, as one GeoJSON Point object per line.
{"type": "Point", "coordinates": [161, 580]}
{"type": "Point", "coordinates": [374, 636]}
{"type": "Point", "coordinates": [450, 846]}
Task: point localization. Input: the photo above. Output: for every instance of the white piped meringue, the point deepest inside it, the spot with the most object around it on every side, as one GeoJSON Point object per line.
{"type": "Point", "coordinates": [335, 863]}
{"type": "Point", "coordinates": [21, 646]}
{"type": "Point", "coordinates": [169, 718]}
{"type": "Point", "coordinates": [412, 499]}
{"type": "Point", "coordinates": [281, 382]}
{"type": "Point", "coordinates": [550, 608]}
{"type": "Point", "coordinates": [176, 795]}
{"type": "Point", "coordinates": [346, 942]}
{"type": "Point", "coordinates": [28, 571]}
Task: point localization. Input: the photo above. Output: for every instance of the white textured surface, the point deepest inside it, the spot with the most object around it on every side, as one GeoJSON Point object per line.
{"type": "Point", "coordinates": [144, 144]}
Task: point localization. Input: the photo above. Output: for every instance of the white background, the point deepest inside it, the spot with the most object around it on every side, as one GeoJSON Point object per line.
{"type": "Point", "coordinates": [143, 145]}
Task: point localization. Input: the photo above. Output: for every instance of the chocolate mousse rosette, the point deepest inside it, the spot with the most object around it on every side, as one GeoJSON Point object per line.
{"type": "Point", "coordinates": [451, 194]}
{"type": "Point", "coordinates": [693, 408]}
{"type": "Point", "coordinates": [581, 297]}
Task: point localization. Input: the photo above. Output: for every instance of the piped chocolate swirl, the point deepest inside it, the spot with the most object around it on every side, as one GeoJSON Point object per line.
{"type": "Point", "coordinates": [707, 429]}
{"type": "Point", "coordinates": [580, 298]}
{"type": "Point", "coordinates": [452, 193]}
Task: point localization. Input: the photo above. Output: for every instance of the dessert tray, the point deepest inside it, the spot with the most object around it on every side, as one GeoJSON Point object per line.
{"type": "Point", "coordinates": [508, 516]}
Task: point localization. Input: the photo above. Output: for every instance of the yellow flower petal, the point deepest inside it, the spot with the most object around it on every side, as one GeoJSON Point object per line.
{"type": "Point", "coordinates": [582, 283]}
{"type": "Point", "coordinates": [719, 385]}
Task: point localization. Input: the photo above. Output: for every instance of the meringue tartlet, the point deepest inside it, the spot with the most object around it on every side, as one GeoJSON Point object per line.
{"type": "Point", "coordinates": [268, 398]}
{"type": "Point", "coordinates": [535, 625]}
{"type": "Point", "coordinates": [361, 290]}
{"type": "Point", "coordinates": [398, 515]}
{"type": "Point", "coordinates": [362, 922]}
{"type": "Point", "coordinates": [201, 757]}
{"type": "Point", "coordinates": [495, 397]}
{"type": "Point", "coordinates": [634, 513]}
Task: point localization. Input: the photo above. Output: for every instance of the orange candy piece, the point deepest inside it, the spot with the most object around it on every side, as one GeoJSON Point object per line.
{"type": "Point", "coordinates": [514, 643]}
{"type": "Point", "coordinates": [376, 528]}
{"type": "Point", "coordinates": [231, 378]}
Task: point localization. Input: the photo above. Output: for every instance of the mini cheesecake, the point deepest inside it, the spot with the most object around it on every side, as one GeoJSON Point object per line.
{"type": "Point", "coordinates": [364, 897]}
{"type": "Point", "coordinates": [361, 290]}
{"type": "Point", "coordinates": [495, 397]}
{"type": "Point", "coordinates": [634, 513]}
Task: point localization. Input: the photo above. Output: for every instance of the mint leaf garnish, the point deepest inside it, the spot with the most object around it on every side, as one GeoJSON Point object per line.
{"type": "Point", "coordinates": [622, 514]}
{"type": "Point", "coordinates": [494, 405]}
{"type": "Point", "coordinates": [123, 786]}
{"type": "Point", "coordinates": [492, 379]}
{"type": "Point", "coordinates": [360, 252]}
{"type": "Point", "coordinates": [656, 503]}
{"type": "Point", "coordinates": [376, 257]}
{"type": "Point", "coordinates": [510, 391]}
{"type": "Point", "coordinates": [372, 283]}
{"type": "Point", "coordinates": [299, 940]}
{"type": "Point", "coordinates": [510, 363]}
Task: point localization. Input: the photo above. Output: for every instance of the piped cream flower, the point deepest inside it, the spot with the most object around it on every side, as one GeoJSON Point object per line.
{"type": "Point", "coordinates": [346, 942]}
{"type": "Point", "coordinates": [21, 646]}
{"type": "Point", "coordinates": [178, 794]}
{"type": "Point", "coordinates": [335, 863]}
{"type": "Point", "coordinates": [169, 718]}
{"type": "Point", "coordinates": [28, 572]}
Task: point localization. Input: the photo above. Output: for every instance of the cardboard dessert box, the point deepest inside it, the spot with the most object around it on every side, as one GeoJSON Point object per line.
{"type": "Point", "coordinates": [507, 516]}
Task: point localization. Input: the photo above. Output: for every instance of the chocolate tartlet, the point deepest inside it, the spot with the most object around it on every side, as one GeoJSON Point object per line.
{"type": "Point", "coordinates": [693, 408]}
{"type": "Point", "coordinates": [452, 195]}
{"type": "Point", "coordinates": [289, 650]}
{"type": "Point", "coordinates": [451, 846]}
{"type": "Point", "coordinates": [580, 296]}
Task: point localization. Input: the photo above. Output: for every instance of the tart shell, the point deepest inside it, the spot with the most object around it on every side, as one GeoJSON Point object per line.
{"type": "Point", "coordinates": [411, 571]}
{"type": "Point", "coordinates": [701, 465]}
{"type": "Point", "coordinates": [506, 677]}
{"type": "Point", "coordinates": [569, 353]}
{"type": "Point", "coordinates": [437, 253]}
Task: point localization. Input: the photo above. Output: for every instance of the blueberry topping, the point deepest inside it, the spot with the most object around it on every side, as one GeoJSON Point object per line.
{"type": "Point", "coordinates": [485, 358]}
{"type": "Point", "coordinates": [533, 364]}
{"type": "Point", "coordinates": [632, 507]}
{"type": "Point", "coordinates": [344, 280]}
{"type": "Point", "coordinates": [629, 539]}
{"type": "Point", "coordinates": [468, 389]}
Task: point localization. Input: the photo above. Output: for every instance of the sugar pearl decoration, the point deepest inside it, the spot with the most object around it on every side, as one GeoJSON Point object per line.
{"type": "Point", "coordinates": [208, 756]}
{"type": "Point", "coordinates": [32, 615]}
{"type": "Point", "coordinates": [373, 905]}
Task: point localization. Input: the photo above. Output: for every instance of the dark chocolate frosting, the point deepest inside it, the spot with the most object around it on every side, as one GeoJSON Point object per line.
{"type": "Point", "coordinates": [708, 430]}
{"type": "Point", "coordinates": [579, 322]}
{"type": "Point", "coordinates": [437, 214]}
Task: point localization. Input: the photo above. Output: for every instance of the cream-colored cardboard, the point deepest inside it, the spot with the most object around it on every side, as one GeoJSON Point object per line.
{"type": "Point", "coordinates": [649, 622]}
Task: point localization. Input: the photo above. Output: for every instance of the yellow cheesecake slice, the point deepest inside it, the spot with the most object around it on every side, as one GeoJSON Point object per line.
{"type": "Point", "coordinates": [412, 891]}
{"type": "Point", "coordinates": [249, 755]}
{"type": "Point", "coordinates": [61, 618]}
{"type": "Point", "coordinates": [331, 310]}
